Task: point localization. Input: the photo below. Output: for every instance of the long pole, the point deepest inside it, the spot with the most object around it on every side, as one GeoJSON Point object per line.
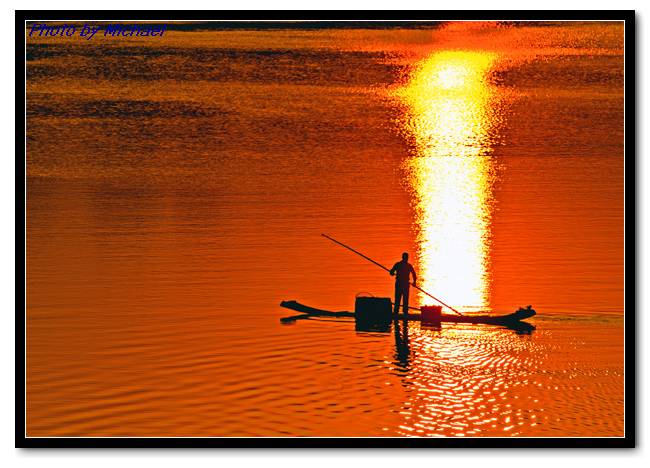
{"type": "Point", "coordinates": [383, 267]}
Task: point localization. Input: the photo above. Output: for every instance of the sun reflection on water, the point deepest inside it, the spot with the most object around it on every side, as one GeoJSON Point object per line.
{"type": "Point", "coordinates": [451, 119]}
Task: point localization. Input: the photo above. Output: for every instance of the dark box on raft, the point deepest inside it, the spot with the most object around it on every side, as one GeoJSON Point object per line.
{"type": "Point", "coordinates": [373, 313]}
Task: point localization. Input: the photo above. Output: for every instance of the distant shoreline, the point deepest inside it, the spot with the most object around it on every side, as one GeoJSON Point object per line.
{"type": "Point", "coordinates": [274, 24]}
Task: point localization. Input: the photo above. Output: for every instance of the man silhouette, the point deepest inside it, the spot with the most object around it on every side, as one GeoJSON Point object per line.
{"type": "Point", "coordinates": [402, 271]}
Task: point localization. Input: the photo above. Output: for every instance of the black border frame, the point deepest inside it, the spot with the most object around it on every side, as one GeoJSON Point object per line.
{"type": "Point", "coordinates": [628, 441]}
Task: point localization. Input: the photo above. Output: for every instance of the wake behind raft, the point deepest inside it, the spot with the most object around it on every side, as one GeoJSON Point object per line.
{"type": "Point", "coordinates": [376, 313]}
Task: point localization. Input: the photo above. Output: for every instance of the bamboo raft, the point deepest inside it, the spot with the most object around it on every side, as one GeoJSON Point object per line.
{"type": "Point", "coordinates": [513, 320]}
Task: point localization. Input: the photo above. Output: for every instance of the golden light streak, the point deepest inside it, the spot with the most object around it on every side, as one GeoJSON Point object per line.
{"type": "Point", "coordinates": [451, 119]}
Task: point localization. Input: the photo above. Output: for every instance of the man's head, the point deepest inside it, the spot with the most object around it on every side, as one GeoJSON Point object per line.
{"type": "Point", "coordinates": [405, 257]}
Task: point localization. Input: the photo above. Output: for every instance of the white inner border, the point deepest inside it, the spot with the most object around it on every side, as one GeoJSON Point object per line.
{"type": "Point", "coordinates": [311, 437]}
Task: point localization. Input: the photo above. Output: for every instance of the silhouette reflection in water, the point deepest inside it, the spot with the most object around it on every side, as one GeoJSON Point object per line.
{"type": "Point", "coordinates": [402, 348]}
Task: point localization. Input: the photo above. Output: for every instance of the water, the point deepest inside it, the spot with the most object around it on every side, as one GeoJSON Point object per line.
{"type": "Point", "coordinates": [176, 192]}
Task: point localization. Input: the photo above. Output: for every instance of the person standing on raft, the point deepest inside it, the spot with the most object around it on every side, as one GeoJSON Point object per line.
{"type": "Point", "coordinates": [402, 271]}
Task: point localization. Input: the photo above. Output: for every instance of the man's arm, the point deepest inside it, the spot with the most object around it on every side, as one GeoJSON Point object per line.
{"type": "Point", "coordinates": [392, 270]}
{"type": "Point", "coordinates": [415, 278]}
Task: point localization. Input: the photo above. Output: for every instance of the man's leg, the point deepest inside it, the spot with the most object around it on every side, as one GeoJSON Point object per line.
{"type": "Point", "coordinates": [398, 296]}
{"type": "Point", "coordinates": [405, 300]}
